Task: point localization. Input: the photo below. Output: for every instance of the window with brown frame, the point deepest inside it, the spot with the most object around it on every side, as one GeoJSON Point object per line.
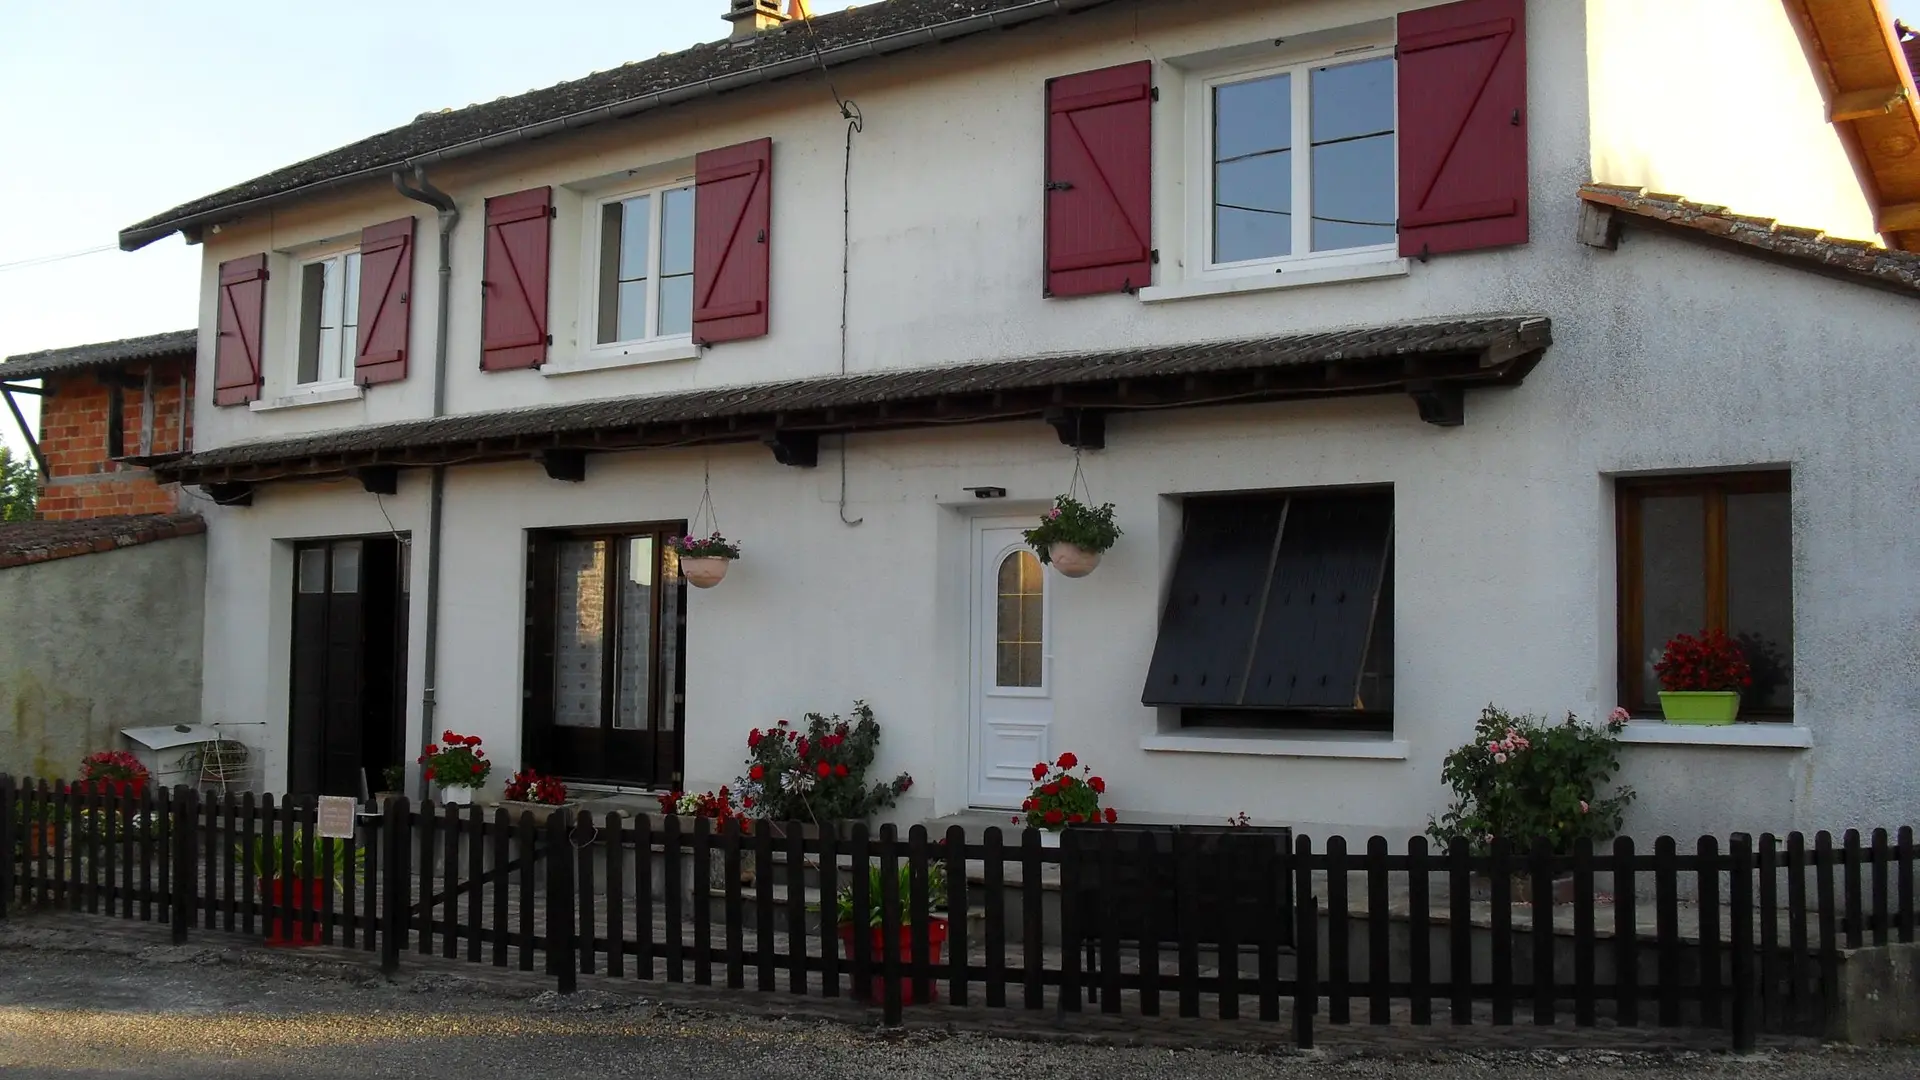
{"type": "Point", "coordinates": [1710, 552]}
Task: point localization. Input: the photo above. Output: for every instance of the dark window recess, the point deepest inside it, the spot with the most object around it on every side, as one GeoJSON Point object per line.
{"type": "Point", "coordinates": [606, 617]}
{"type": "Point", "coordinates": [1707, 552]}
{"type": "Point", "coordinates": [116, 421]}
{"type": "Point", "coordinates": [1280, 613]}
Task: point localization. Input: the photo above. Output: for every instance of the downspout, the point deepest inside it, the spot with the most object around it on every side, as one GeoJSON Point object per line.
{"type": "Point", "coordinates": [422, 190]}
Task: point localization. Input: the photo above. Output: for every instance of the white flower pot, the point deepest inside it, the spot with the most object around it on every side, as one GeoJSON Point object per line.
{"type": "Point", "coordinates": [1072, 560]}
{"type": "Point", "coordinates": [1051, 837]}
{"type": "Point", "coordinates": [455, 796]}
{"type": "Point", "coordinates": [703, 571]}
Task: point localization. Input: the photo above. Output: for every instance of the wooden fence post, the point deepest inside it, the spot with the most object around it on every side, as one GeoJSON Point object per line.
{"type": "Point", "coordinates": [1740, 894]}
{"type": "Point", "coordinates": [6, 841]}
{"type": "Point", "coordinates": [393, 852]}
{"type": "Point", "coordinates": [186, 817]}
{"type": "Point", "coordinates": [562, 960]}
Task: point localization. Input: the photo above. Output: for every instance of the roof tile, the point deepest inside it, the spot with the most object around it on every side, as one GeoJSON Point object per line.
{"type": "Point", "coordinates": [23, 543]}
{"type": "Point", "coordinates": [101, 354]}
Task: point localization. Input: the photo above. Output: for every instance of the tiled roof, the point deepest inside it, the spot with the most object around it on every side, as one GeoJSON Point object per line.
{"type": "Point", "coordinates": [23, 542]}
{"type": "Point", "coordinates": [102, 354]}
{"type": "Point", "coordinates": [859, 33]}
{"type": "Point", "coordinates": [1495, 350]}
{"type": "Point", "coordinates": [1810, 249]}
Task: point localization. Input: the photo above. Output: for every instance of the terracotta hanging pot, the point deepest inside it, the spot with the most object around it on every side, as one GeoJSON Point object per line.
{"type": "Point", "coordinates": [703, 571]}
{"type": "Point", "coordinates": [1072, 560]}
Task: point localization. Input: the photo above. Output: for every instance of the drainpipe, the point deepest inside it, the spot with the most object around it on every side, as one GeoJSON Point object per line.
{"type": "Point", "coordinates": [422, 190]}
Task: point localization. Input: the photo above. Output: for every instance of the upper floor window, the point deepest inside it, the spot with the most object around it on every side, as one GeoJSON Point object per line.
{"type": "Point", "coordinates": [644, 266]}
{"type": "Point", "coordinates": [1299, 162]}
{"type": "Point", "coordinates": [329, 319]}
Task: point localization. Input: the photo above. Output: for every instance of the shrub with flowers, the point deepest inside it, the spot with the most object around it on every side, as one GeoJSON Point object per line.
{"type": "Point", "coordinates": [705, 547]}
{"type": "Point", "coordinates": [1059, 798]}
{"type": "Point", "coordinates": [817, 773]}
{"type": "Point", "coordinates": [1071, 521]}
{"type": "Point", "coordinates": [461, 763]}
{"type": "Point", "coordinates": [1522, 779]}
{"type": "Point", "coordinates": [718, 807]}
{"type": "Point", "coordinates": [114, 766]}
{"type": "Point", "coordinates": [1712, 661]}
{"type": "Point", "coordinates": [531, 787]}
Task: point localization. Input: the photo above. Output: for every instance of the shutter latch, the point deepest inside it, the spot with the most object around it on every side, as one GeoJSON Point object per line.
{"type": "Point", "coordinates": [1059, 185]}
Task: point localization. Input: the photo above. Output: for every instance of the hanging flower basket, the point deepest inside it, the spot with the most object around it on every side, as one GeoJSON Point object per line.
{"type": "Point", "coordinates": [1072, 536]}
{"type": "Point", "coordinates": [704, 561]}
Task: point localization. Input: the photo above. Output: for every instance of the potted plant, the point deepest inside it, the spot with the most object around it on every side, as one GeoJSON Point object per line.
{"type": "Point", "coordinates": [1522, 779]}
{"type": "Point", "coordinates": [1059, 799]}
{"type": "Point", "coordinates": [530, 792]}
{"type": "Point", "coordinates": [817, 773]}
{"type": "Point", "coordinates": [1072, 536]}
{"type": "Point", "coordinates": [1701, 678]}
{"type": "Point", "coordinates": [458, 768]}
{"type": "Point", "coordinates": [718, 807]}
{"type": "Point", "coordinates": [393, 784]}
{"type": "Point", "coordinates": [852, 921]}
{"type": "Point", "coordinates": [704, 560]}
{"type": "Point", "coordinates": [113, 772]}
{"type": "Point", "coordinates": [305, 890]}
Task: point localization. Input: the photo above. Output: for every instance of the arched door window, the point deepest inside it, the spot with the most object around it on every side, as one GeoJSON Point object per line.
{"type": "Point", "coordinates": [1019, 627]}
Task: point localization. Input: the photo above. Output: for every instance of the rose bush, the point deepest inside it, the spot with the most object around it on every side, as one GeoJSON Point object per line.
{"type": "Point", "coordinates": [1523, 779]}
{"type": "Point", "coordinates": [819, 772]}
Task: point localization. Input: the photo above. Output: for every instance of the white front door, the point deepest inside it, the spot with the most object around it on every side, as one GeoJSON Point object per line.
{"type": "Point", "coordinates": [1012, 665]}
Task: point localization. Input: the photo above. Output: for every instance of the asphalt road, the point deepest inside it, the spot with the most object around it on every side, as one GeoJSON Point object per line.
{"type": "Point", "coordinates": [75, 1006]}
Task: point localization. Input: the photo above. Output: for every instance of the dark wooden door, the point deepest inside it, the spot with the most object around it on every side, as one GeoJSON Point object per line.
{"type": "Point", "coordinates": [348, 635]}
{"type": "Point", "coordinates": [607, 616]}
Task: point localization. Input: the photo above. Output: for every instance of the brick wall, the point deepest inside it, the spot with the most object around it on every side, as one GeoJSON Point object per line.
{"type": "Point", "coordinates": [83, 480]}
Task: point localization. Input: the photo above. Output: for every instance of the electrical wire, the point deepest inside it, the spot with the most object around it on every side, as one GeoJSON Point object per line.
{"type": "Point", "coordinates": [45, 260]}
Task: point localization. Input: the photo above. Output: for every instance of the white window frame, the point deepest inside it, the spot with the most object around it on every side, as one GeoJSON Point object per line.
{"type": "Point", "coordinates": [652, 345]}
{"type": "Point", "coordinates": [1199, 185]}
{"type": "Point", "coordinates": [296, 308]}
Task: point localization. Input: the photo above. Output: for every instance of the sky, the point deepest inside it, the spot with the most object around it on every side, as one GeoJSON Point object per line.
{"type": "Point", "coordinates": [114, 110]}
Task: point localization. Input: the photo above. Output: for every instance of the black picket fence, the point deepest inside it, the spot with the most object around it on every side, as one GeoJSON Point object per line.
{"type": "Point", "coordinates": [1126, 919]}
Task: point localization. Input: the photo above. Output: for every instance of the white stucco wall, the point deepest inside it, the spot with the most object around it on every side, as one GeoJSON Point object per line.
{"type": "Point", "coordinates": [1668, 356]}
{"type": "Point", "coordinates": [1715, 100]}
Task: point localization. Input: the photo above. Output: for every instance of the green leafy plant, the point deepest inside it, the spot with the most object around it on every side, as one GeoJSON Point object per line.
{"type": "Point", "coordinates": [461, 764]}
{"type": "Point", "coordinates": [1071, 521]}
{"type": "Point", "coordinates": [705, 547]}
{"type": "Point", "coordinates": [267, 857]}
{"type": "Point", "coordinates": [818, 773]}
{"type": "Point", "coordinates": [936, 896]}
{"type": "Point", "coordinates": [1059, 798]}
{"type": "Point", "coordinates": [19, 487]}
{"type": "Point", "coordinates": [1523, 779]}
{"type": "Point", "coordinates": [394, 777]}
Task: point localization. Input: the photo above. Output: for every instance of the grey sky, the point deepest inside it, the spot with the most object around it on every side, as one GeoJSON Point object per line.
{"type": "Point", "coordinates": [117, 109]}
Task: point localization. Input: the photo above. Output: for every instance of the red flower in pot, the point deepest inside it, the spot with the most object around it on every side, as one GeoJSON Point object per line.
{"type": "Point", "coordinates": [113, 772]}
{"type": "Point", "coordinates": [870, 921]}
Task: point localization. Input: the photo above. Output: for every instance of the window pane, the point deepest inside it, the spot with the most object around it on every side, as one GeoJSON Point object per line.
{"type": "Point", "coordinates": [579, 621]}
{"type": "Point", "coordinates": [676, 305]}
{"type": "Point", "coordinates": [1760, 592]}
{"type": "Point", "coordinates": [1353, 155]}
{"type": "Point", "coordinates": [633, 311]}
{"type": "Point", "coordinates": [1018, 621]}
{"type": "Point", "coordinates": [1253, 169]}
{"type": "Point", "coordinates": [676, 231]}
{"type": "Point", "coordinates": [673, 590]}
{"type": "Point", "coordinates": [636, 636]}
{"type": "Point", "coordinates": [1351, 100]}
{"type": "Point", "coordinates": [350, 289]}
{"type": "Point", "coordinates": [1673, 577]}
{"type": "Point", "coordinates": [346, 567]}
{"type": "Point", "coordinates": [313, 570]}
{"type": "Point", "coordinates": [313, 278]}
{"type": "Point", "coordinates": [607, 323]}
{"type": "Point", "coordinates": [634, 226]}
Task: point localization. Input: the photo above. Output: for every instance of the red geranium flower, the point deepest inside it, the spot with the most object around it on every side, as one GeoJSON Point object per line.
{"type": "Point", "coordinates": [840, 770]}
{"type": "Point", "coordinates": [1068, 761]}
{"type": "Point", "coordinates": [753, 738]}
{"type": "Point", "coordinates": [1039, 771]}
{"type": "Point", "coordinates": [1111, 816]}
{"type": "Point", "coordinates": [1098, 785]}
{"type": "Point", "coordinates": [1055, 817]}
{"type": "Point", "coordinates": [825, 769]}
{"type": "Point", "coordinates": [758, 772]}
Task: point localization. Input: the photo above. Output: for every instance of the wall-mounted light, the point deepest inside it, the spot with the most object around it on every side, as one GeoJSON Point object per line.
{"type": "Point", "coordinates": [987, 492]}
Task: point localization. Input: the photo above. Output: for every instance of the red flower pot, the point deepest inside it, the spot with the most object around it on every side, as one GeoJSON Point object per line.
{"type": "Point", "coordinates": [290, 929]}
{"type": "Point", "coordinates": [936, 940]}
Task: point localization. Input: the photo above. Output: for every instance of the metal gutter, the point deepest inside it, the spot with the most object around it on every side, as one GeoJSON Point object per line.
{"type": "Point", "coordinates": [136, 238]}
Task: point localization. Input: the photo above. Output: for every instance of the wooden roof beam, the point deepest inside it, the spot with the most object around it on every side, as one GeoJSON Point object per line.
{"type": "Point", "coordinates": [1860, 104]}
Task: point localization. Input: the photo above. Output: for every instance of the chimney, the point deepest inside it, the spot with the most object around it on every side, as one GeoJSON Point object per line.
{"type": "Point", "coordinates": [749, 17]}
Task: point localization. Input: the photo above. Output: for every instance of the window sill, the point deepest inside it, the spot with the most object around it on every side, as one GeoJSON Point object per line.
{"type": "Point", "coordinates": [303, 398]}
{"type": "Point", "coordinates": [1773, 736]}
{"type": "Point", "coordinates": [619, 356]}
{"type": "Point", "coordinates": [1365, 746]}
{"type": "Point", "coordinates": [1268, 280]}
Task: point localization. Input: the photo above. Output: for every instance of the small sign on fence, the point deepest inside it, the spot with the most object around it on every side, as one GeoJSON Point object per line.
{"type": "Point", "coordinates": [336, 816]}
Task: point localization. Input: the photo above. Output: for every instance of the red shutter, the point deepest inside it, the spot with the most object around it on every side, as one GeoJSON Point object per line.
{"type": "Point", "coordinates": [1463, 126]}
{"type": "Point", "coordinates": [1099, 175]}
{"type": "Point", "coordinates": [386, 280]}
{"type": "Point", "coordinates": [513, 286]}
{"type": "Point", "coordinates": [732, 234]}
{"type": "Point", "coordinates": [236, 352]}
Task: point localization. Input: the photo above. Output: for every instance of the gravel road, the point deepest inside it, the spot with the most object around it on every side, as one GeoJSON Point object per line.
{"type": "Point", "coordinates": [77, 1004]}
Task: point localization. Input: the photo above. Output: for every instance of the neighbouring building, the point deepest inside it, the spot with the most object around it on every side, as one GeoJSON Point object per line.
{"type": "Point", "coordinates": [1410, 397]}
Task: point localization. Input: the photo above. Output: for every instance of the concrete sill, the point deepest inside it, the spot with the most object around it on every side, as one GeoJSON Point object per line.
{"type": "Point", "coordinates": [302, 399]}
{"type": "Point", "coordinates": [1268, 280]}
{"type": "Point", "coordinates": [1752, 735]}
{"type": "Point", "coordinates": [606, 358]}
{"type": "Point", "coordinates": [1364, 746]}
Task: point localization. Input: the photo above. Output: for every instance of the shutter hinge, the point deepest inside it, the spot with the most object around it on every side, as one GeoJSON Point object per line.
{"type": "Point", "coordinates": [549, 339]}
{"type": "Point", "coordinates": [553, 211]}
{"type": "Point", "coordinates": [1154, 91]}
{"type": "Point", "coordinates": [1059, 185]}
{"type": "Point", "coordinates": [1154, 256]}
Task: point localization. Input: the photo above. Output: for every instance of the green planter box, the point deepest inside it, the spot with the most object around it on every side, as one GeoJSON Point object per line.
{"type": "Point", "coordinates": [1700, 707]}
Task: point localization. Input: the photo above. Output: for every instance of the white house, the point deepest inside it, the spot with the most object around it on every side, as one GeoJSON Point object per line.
{"type": "Point", "coordinates": [1407, 396]}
